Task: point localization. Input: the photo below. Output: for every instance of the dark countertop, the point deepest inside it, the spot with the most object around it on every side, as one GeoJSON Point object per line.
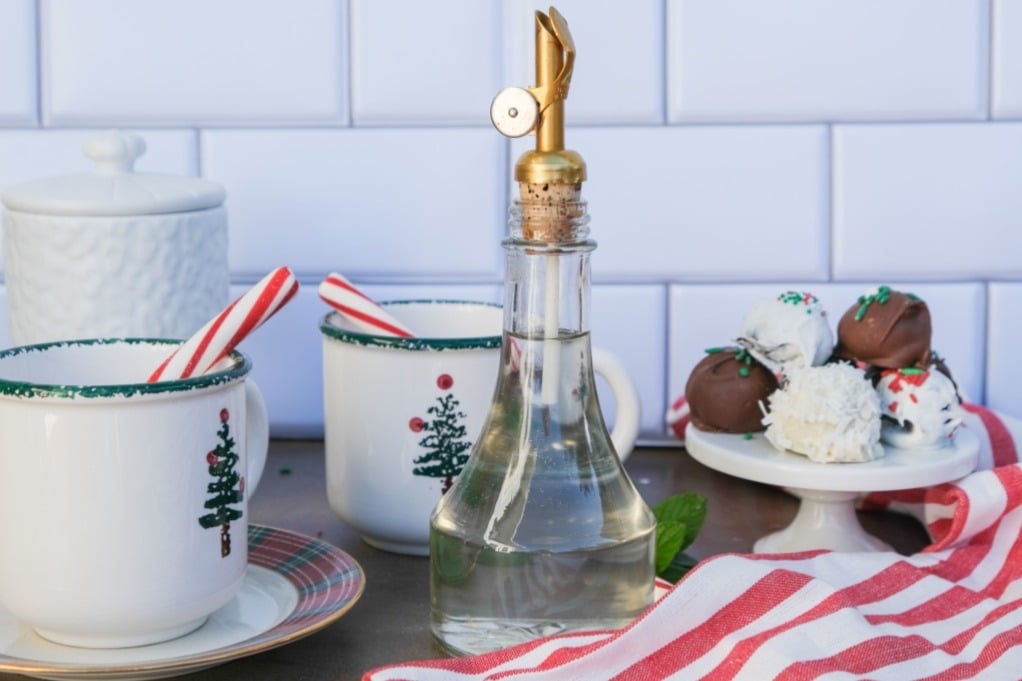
{"type": "Point", "coordinates": [390, 623]}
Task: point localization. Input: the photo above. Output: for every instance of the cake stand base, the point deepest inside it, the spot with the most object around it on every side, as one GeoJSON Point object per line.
{"type": "Point", "coordinates": [827, 491]}
{"type": "Point", "coordinates": [825, 520]}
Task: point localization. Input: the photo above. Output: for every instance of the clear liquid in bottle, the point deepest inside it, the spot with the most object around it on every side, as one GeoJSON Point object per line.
{"type": "Point", "coordinates": [543, 531]}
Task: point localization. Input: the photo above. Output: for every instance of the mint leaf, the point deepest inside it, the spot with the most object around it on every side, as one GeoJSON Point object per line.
{"type": "Point", "coordinates": [688, 509]}
{"type": "Point", "coordinates": [677, 568]}
{"type": "Point", "coordinates": [670, 535]}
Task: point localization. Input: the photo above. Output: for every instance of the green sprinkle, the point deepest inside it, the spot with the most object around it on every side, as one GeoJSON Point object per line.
{"type": "Point", "coordinates": [747, 436]}
{"type": "Point", "coordinates": [285, 471]}
{"type": "Point", "coordinates": [713, 351]}
{"type": "Point", "coordinates": [882, 296]}
{"type": "Point", "coordinates": [744, 371]}
{"type": "Point", "coordinates": [912, 371]}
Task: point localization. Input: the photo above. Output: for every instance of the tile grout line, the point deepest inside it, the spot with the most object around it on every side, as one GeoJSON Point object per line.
{"type": "Point", "coordinates": [38, 63]}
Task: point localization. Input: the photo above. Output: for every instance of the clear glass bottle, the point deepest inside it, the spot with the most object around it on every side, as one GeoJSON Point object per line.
{"type": "Point", "coordinates": [543, 531]}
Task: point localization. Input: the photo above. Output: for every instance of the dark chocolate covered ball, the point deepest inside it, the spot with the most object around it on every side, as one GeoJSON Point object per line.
{"type": "Point", "coordinates": [886, 328]}
{"type": "Point", "coordinates": [724, 391]}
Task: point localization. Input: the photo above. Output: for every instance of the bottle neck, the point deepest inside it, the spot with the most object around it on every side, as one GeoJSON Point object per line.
{"type": "Point", "coordinates": [546, 289]}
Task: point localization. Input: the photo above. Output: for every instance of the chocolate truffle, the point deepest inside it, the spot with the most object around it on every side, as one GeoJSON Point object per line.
{"type": "Point", "coordinates": [886, 328]}
{"type": "Point", "coordinates": [920, 407]}
{"type": "Point", "coordinates": [724, 391]}
{"type": "Point", "coordinates": [787, 332]}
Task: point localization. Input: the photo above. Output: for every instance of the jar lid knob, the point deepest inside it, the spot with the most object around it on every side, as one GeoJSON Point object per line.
{"type": "Point", "coordinates": [114, 152]}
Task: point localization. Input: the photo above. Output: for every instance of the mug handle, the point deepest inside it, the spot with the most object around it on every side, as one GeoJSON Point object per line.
{"type": "Point", "coordinates": [626, 425]}
{"type": "Point", "coordinates": [257, 435]}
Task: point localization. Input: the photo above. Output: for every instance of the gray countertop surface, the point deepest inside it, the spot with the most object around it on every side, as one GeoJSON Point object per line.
{"type": "Point", "coordinates": [390, 622]}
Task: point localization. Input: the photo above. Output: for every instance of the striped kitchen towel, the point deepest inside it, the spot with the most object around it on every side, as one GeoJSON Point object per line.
{"type": "Point", "coordinates": [952, 611]}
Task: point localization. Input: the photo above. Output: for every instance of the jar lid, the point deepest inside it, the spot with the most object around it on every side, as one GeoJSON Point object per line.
{"type": "Point", "coordinates": [113, 188]}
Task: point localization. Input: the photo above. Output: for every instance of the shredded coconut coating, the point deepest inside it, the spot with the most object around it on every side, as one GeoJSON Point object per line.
{"type": "Point", "coordinates": [829, 413]}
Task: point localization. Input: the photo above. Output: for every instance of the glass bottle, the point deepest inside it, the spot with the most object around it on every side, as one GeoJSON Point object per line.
{"type": "Point", "coordinates": [543, 531]}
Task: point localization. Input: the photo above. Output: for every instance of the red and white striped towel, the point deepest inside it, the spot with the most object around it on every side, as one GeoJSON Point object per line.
{"type": "Point", "coordinates": [952, 611]}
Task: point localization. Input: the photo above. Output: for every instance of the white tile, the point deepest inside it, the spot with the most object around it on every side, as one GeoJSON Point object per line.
{"type": "Point", "coordinates": [1003, 369]}
{"type": "Point", "coordinates": [176, 61]}
{"type": "Point", "coordinates": [619, 64]}
{"type": "Point", "coordinates": [432, 62]}
{"type": "Point", "coordinates": [1006, 56]}
{"type": "Point", "coordinates": [705, 316]}
{"type": "Point", "coordinates": [936, 201]}
{"type": "Point", "coordinates": [485, 293]}
{"type": "Point", "coordinates": [27, 155]}
{"type": "Point", "coordinates": [631, 323]}
{"type": "Point", "coordinates": [17, 62]}
{"type": "Point", "coordinates": [706, 203]}
{"type": "Point", "coordinates": [398, 203]}
{"type": "Point", "coordinates": [793, 60]}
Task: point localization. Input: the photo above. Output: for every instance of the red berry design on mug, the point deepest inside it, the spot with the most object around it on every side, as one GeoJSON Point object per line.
{"type": "Point", "coordinates": [224, 415]}
{"type": "Point", "coordinates": [443, 437]}
{"type": "Point", "coordinates": [211, 458]}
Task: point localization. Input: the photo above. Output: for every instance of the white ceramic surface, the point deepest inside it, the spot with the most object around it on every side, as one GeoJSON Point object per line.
{"type": "Point", "coordinates": [114, 253]}
{"type": "Point", "coordinates": [141, 487]}
{"type": "Point", "coordinates": [826, 517]}
{"type": "Point", "coordinates": [378, 397]}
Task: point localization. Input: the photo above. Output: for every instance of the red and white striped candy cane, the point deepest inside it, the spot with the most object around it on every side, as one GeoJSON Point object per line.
{"type": "Point", "coordinates": [359, 309]}
{"type": "Point", "coordinates": [221, 334]}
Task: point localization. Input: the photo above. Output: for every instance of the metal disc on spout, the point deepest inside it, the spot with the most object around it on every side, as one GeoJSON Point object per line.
{"type": "Point", "coordinates": [514, 112]}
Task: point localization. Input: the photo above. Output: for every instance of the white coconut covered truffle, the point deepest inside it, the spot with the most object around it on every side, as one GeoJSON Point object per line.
{"type": "Point", "coordinates": [921, 407]}
{"type": "Point", "coordinates": [829, 413]}
{"type": "Point", "coordinates": [788, 332]}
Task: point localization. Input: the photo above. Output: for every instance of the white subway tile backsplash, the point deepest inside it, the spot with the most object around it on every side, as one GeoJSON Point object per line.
{"type": "Point", "coordinates": [705, 316]}
{"type": "Point", "coordinates": [804, 60]}
{"type": "Point", "coordinates": [175, 61]}
{"type": "Point", "coordinates": [1003, 369]}
{"type": "Point", "coordinates": [712, 203]}
{"type": "Point", "coordinates": [418, 62]}
{"type": "Point", "coordinates": [733, 148]}
{"type": "Point", "coordinates": [619, 67]}
{"type": "Point", "coordinates": [631, 323]}
{"type": "Point", "coordinates": [396, 203]}
{"type": "Point", "coordinates": [938, 201]}
{"type": "Point", "coordinates": [17, 62]}
{"type": "Point", "coordinates": [1006, 56]}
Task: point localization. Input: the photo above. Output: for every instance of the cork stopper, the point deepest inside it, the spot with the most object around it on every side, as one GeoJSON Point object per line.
{"type": "Point", "coordinates": [551, 212]}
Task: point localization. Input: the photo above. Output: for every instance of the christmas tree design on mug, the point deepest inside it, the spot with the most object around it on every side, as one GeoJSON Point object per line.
{"type": "Point", "coordinates": [227, 487]}
{"type": "Point", "coordinates": [445, 437]}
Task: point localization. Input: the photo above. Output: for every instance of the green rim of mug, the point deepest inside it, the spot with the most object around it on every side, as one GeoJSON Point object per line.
{"type": "Point", "coordinates": [10, 388]}
{"type": "Point", "coordinates": [367, 339]}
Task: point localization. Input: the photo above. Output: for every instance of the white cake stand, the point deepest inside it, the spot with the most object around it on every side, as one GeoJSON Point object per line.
{"type": "Point", "coordinates": [826, 516]}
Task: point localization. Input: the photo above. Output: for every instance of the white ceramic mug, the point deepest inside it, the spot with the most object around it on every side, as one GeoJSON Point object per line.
{"type": "Point", "coordinates": [391, 403]}
{"type": "Point", "coordinates": [123, 512]}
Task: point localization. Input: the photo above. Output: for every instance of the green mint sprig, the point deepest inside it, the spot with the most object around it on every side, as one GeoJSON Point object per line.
{"type": "Point", "coordinates": [679, 519]}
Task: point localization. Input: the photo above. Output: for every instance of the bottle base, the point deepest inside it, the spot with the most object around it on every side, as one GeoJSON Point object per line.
{"type": "Point", "coordinates": [474, 636]}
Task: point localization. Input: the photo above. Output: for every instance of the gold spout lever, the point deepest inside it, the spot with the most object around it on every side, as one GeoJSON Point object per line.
{"type": "Point", "coordinates": [516, 111]}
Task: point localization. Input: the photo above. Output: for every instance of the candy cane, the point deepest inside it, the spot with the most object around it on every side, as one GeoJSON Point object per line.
{"type": "Point", "coordinates": [221, 334]}
{"type": "Point", "coordinates": [360, 310]}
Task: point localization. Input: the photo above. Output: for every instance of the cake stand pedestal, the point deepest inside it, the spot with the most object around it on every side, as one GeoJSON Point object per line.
{"type": "Point", "coordinates": [827, 491]}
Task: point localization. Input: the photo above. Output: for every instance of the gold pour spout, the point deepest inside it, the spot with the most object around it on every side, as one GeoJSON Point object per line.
{"type": "Point", "coordinates": [516, 112]}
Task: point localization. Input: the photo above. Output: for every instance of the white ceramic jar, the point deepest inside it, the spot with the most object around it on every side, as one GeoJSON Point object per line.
{"type": "Point", "coordinates": [114, 253]}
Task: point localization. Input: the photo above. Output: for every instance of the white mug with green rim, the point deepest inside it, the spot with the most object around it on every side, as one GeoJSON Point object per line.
{"type": "Point", "coordinates": [401, 414]}
{"type": "Point", "coordinates": [123, 504]}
